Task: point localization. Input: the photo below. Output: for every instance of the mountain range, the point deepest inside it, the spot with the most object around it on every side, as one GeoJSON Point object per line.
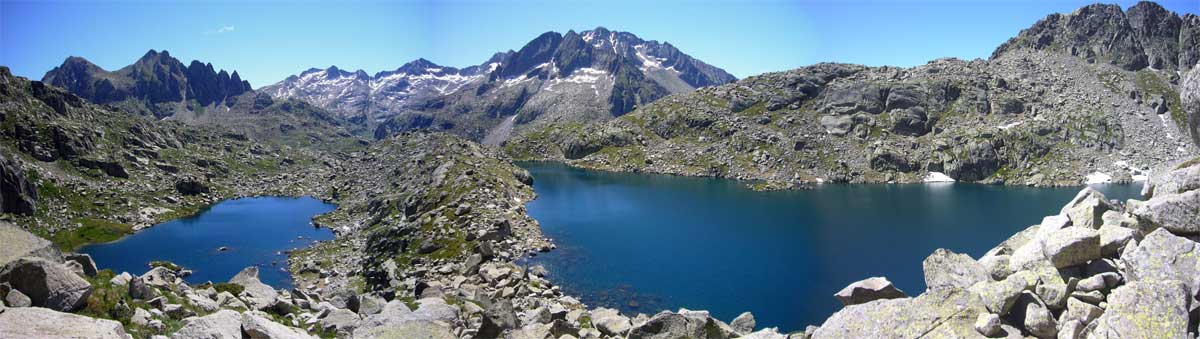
{"type": "Point", "coordinates": [579, 77]}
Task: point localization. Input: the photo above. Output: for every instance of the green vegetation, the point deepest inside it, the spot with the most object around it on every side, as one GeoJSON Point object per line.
{"type": "Point", "coordinates": [1154, 86]}
{"type": "Point", "coordinates": [92, 230]}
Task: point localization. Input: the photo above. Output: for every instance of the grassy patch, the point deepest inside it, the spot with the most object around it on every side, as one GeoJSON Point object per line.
{"type": "Point", "coordinates": [92, 231]}
{"type": "Point", "coordinates": [1154, 86]}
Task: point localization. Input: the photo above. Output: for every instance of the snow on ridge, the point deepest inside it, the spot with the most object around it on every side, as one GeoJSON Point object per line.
{"type": "Point", "coordinates": [934, 177]}
{"type": "Point", "coordinates": [1097, 178]}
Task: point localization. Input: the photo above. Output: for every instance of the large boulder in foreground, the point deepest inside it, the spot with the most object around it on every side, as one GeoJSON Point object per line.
{"type": "Point", "coordinates": [259, 327]}
{"type": "Point", "coordinates": [682, 324]}
{"type": "Point", "coordinates": [1165, 256]}
{"type": "Point", "coordinates": [19, 243]}
{"type": "Point", "coordinates": [248, 279]}
{"type": "Point", "coordinates": [867, 290]}
{"type": "Point", "coordinates": [41, 323]}
{"type": "Point", "coordinates": [945, 313]}
{"type": "Point", "coordinates": [410, 329]}
{"type": "Point", "coordinates": [224, 324]}
{"type": "Point", "coordinates": [47, 284]}
{"type": "Point", "coordinates": [1145, 309]}
{"type": "Point", "coordinates": [1071, 246]}
{"type": "Point", "coordinates": [1178, 213]}
{"type": "Point", "coordinates": [946, 269]}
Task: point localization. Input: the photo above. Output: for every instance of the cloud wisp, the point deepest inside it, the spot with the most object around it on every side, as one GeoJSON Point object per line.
{"type": "Point", "coordinates": [221, 30]}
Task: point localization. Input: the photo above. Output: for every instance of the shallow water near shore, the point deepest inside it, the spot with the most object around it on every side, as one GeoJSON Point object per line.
{"type": "Point", "coordinates": [646, 243]}
{"type": "Point", "coordinates": [256, 231]}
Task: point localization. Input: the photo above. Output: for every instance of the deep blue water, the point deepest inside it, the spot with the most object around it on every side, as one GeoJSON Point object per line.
{"type": "Point", "coordinates": [257, 231]}
{"type": "Point", "coordinates": [645, 243]}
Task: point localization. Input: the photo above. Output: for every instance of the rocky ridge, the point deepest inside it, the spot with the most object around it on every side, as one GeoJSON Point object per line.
{"type": "Point", "coordinates": [157, 83]}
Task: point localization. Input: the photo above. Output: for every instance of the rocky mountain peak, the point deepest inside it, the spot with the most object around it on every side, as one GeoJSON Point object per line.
{"type": "Point", "coordinates": [1147, 35]}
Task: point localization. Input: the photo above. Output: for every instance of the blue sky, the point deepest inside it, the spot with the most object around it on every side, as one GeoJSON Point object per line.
{"type": "Point", "coordinates": [265, 41]}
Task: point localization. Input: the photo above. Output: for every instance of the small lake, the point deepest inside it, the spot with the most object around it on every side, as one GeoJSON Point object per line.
{"type": "Point", "coordinates": [645, 243]}
{"type": "Point", "coordinates": [256, 231]}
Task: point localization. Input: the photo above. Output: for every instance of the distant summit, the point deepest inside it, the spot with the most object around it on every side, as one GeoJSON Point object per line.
{"type": "Point", "coordinates": [154, 78]}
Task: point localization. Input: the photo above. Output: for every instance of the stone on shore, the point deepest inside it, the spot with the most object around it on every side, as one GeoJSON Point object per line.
{"type": "Point", "coordinates": [47, 284]}
{"type": "Point", "coordinates": [867, 290]}
{"type": "Point", "coordinates": [1087, 208]}
{"type": "Point", "coordinates": [42, 323]}
{"type": "Point", "coordinates": [946, 269]}
{"type": "Point", "coordinates": [1145, 309]}
{"type": "Point", "coordinates": [744, 323]}
{"type": "Point", "coordinates": [610, 322]}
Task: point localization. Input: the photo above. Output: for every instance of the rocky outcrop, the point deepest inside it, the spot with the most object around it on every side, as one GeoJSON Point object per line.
{"type": "Point", "coordinates": [1146, 35]}
{"type": "Point", "coordinates": [48, 284]}
{"type": "Point", "coordinates": [19, 243]}
{"type": "Point", "coordinates": [36, 322]}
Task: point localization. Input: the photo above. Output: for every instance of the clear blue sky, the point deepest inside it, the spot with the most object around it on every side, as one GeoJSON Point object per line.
{"type": "Point", "coordinates": [265, 41]}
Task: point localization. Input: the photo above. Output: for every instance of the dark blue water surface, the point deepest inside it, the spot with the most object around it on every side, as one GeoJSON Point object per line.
{"type": "Point", "coordinates": [256, 230]}
{"type": "Point", "coordinates": [645, 243]}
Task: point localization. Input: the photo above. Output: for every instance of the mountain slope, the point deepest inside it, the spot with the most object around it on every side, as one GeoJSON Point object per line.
{"type": "Point", "coordinates": [158, 80]}
{"type": "Point", "coordinates": [588, 76]}
{"type": "Point", "coordinates": [1032, 114]}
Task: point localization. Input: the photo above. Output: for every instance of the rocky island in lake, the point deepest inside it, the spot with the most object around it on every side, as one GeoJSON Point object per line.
{"type": "Point", "coordinates": [401, 204]}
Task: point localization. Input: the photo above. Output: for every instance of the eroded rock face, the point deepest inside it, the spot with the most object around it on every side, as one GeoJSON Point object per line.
{"type": "Point", "coordinates": [1189, 95]}
{"type": "Point", "coordinates": [35, 322]}
{"type": "Point", "coordinates": [48, 284]}
{"type": "Point", "coordinates": [17, 195]}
